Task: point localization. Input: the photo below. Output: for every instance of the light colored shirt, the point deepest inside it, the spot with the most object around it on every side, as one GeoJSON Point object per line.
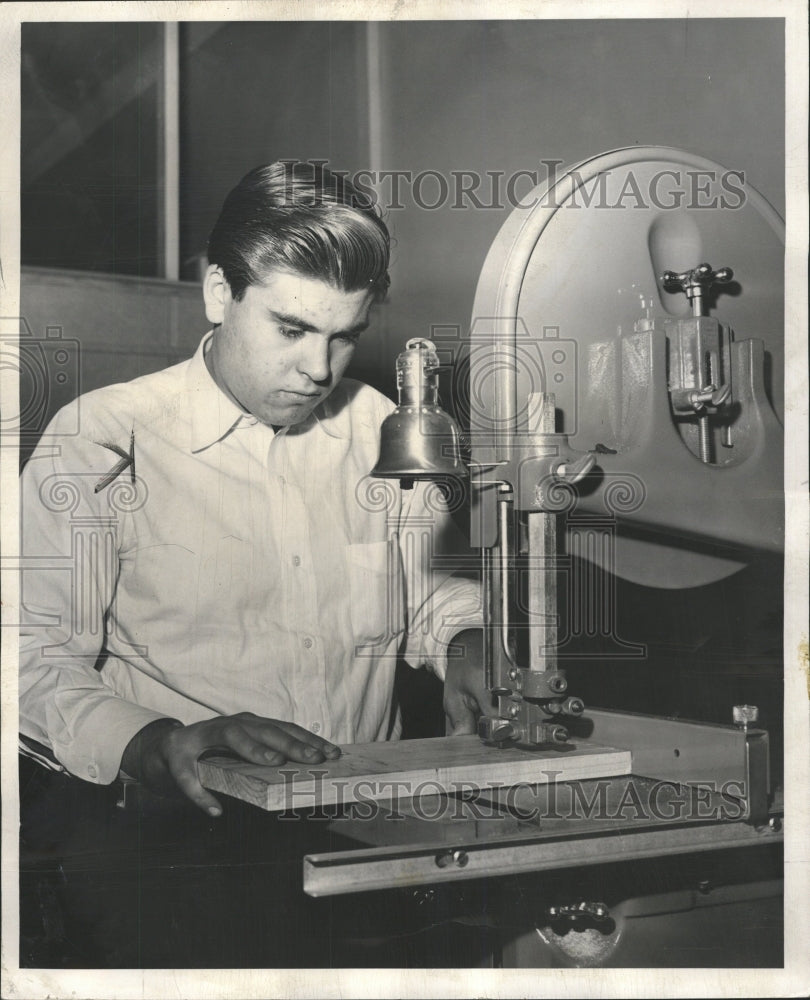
{"type": "Point", "coordinates": [230, 568]}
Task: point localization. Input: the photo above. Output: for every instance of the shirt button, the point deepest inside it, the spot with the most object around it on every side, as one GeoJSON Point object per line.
{"type": "Point", "coordinates": [92, 770]}
{"type": "Point", "coordinates": [296, 560]}
{"type": "Point", "coordinates": [315, 727]}
{"type": "Point", "coordinates": [307, 643]}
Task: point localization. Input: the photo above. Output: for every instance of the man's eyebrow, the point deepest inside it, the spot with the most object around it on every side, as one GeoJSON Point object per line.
{"type": "Point", "coordinates": [300, 324]}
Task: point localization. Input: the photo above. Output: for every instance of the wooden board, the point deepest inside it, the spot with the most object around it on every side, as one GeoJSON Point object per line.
{"type": "Point", "coordinates": [383, 771]}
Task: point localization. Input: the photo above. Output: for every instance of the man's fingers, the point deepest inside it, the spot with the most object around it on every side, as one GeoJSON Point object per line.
{"type": "Point", "coordinates": [461, 727]}
{"type": "Point", "coordinates": [307, 739]}
{"type": "Point", "coordinates": [269, 745]}
{"type": "Point", "coordinates": [261, 741]}
{"type": "Point", "coordinates": [465, 695]}
{"type": "Point", "coordinates": [461, 718]}
{"type": "Point", "coordinates": [252, 738]}
{"type": "Point", "coordinates": [184, 772]}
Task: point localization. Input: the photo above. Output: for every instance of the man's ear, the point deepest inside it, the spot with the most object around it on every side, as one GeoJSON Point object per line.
{"type": "Point", "coordinates": [216, 293]}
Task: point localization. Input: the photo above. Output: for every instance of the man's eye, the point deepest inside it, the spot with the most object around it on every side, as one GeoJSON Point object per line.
{"type": "Point", "coordinates": [291, 333]}
{"type": "Point", "coordinates": [349, 338]}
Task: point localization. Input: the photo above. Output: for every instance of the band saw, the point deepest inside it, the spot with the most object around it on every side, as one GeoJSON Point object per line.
{"type": "Point", "coordinates": [618, 404]}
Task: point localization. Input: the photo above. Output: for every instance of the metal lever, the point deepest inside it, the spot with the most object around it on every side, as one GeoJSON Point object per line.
{"type": "Point", "coordinates": [572, 472]}
{"type": "Point", "coordinates": [696, 282]}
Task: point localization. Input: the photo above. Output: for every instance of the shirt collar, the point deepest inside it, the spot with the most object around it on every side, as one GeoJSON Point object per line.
{"type": "Point", "coordinates": [332, 415]}
{"type": "Point", "coordinates": [214, 415]}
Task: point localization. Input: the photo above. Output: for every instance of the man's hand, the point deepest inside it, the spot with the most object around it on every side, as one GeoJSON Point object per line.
{"type": "Point", "coordinates": [465, 697]}
{"type": "Point", "coordinates": [164, 754]}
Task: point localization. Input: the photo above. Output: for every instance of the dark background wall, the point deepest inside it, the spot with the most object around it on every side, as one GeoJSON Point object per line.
{"type": "Point", "coordinates": [257, 92]}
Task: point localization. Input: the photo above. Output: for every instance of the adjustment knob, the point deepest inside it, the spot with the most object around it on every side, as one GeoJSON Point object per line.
{"type": "Point", "coordinates": [702, 277]}
{"type": "Point", "coordinates": [495, 730]}
{"type": "Point", "coordinates": [696, 282]}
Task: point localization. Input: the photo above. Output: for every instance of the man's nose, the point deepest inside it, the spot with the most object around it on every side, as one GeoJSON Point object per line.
{"type": "Point", "coordinates": [314, 358]}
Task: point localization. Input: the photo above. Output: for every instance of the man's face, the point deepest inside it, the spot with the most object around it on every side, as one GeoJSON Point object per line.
{"type": "Point", "coordinates": [283, 348]}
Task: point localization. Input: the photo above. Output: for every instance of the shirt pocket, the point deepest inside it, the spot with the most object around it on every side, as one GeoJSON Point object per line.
{"type": "Point", "coordinates": [375, 591]}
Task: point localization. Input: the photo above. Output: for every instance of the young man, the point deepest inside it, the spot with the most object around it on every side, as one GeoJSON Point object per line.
{"type": "Point", "coordinates": [216, 569]}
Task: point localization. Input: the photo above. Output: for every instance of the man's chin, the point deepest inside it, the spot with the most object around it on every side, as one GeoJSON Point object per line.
{"type": "Point", "coordinates": [287, 416]}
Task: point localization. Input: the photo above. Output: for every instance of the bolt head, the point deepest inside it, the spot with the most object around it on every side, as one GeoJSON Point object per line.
{"type": "Point", "coordinates": [745, 715]}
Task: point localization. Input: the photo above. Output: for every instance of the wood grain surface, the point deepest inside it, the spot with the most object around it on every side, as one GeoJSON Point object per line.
{"type": "Point", "coordinates": [381, 771]}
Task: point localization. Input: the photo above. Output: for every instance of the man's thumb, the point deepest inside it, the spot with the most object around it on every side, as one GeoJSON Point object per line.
{"type": "Point", "coordinates": [460, 720]}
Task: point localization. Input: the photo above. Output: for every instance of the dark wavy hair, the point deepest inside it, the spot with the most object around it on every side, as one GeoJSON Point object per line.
{"type": "Point", "coordinates": [300, 217]}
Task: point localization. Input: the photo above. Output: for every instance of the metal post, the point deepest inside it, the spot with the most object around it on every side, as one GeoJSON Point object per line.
{"type": "Point", "coordinates": [169, 154]}
{"type": "Point", "coordinates": [542, 531]}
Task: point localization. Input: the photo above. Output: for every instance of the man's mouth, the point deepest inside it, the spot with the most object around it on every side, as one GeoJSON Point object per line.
{"type": "Point", "coordinates": [299, 397]}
